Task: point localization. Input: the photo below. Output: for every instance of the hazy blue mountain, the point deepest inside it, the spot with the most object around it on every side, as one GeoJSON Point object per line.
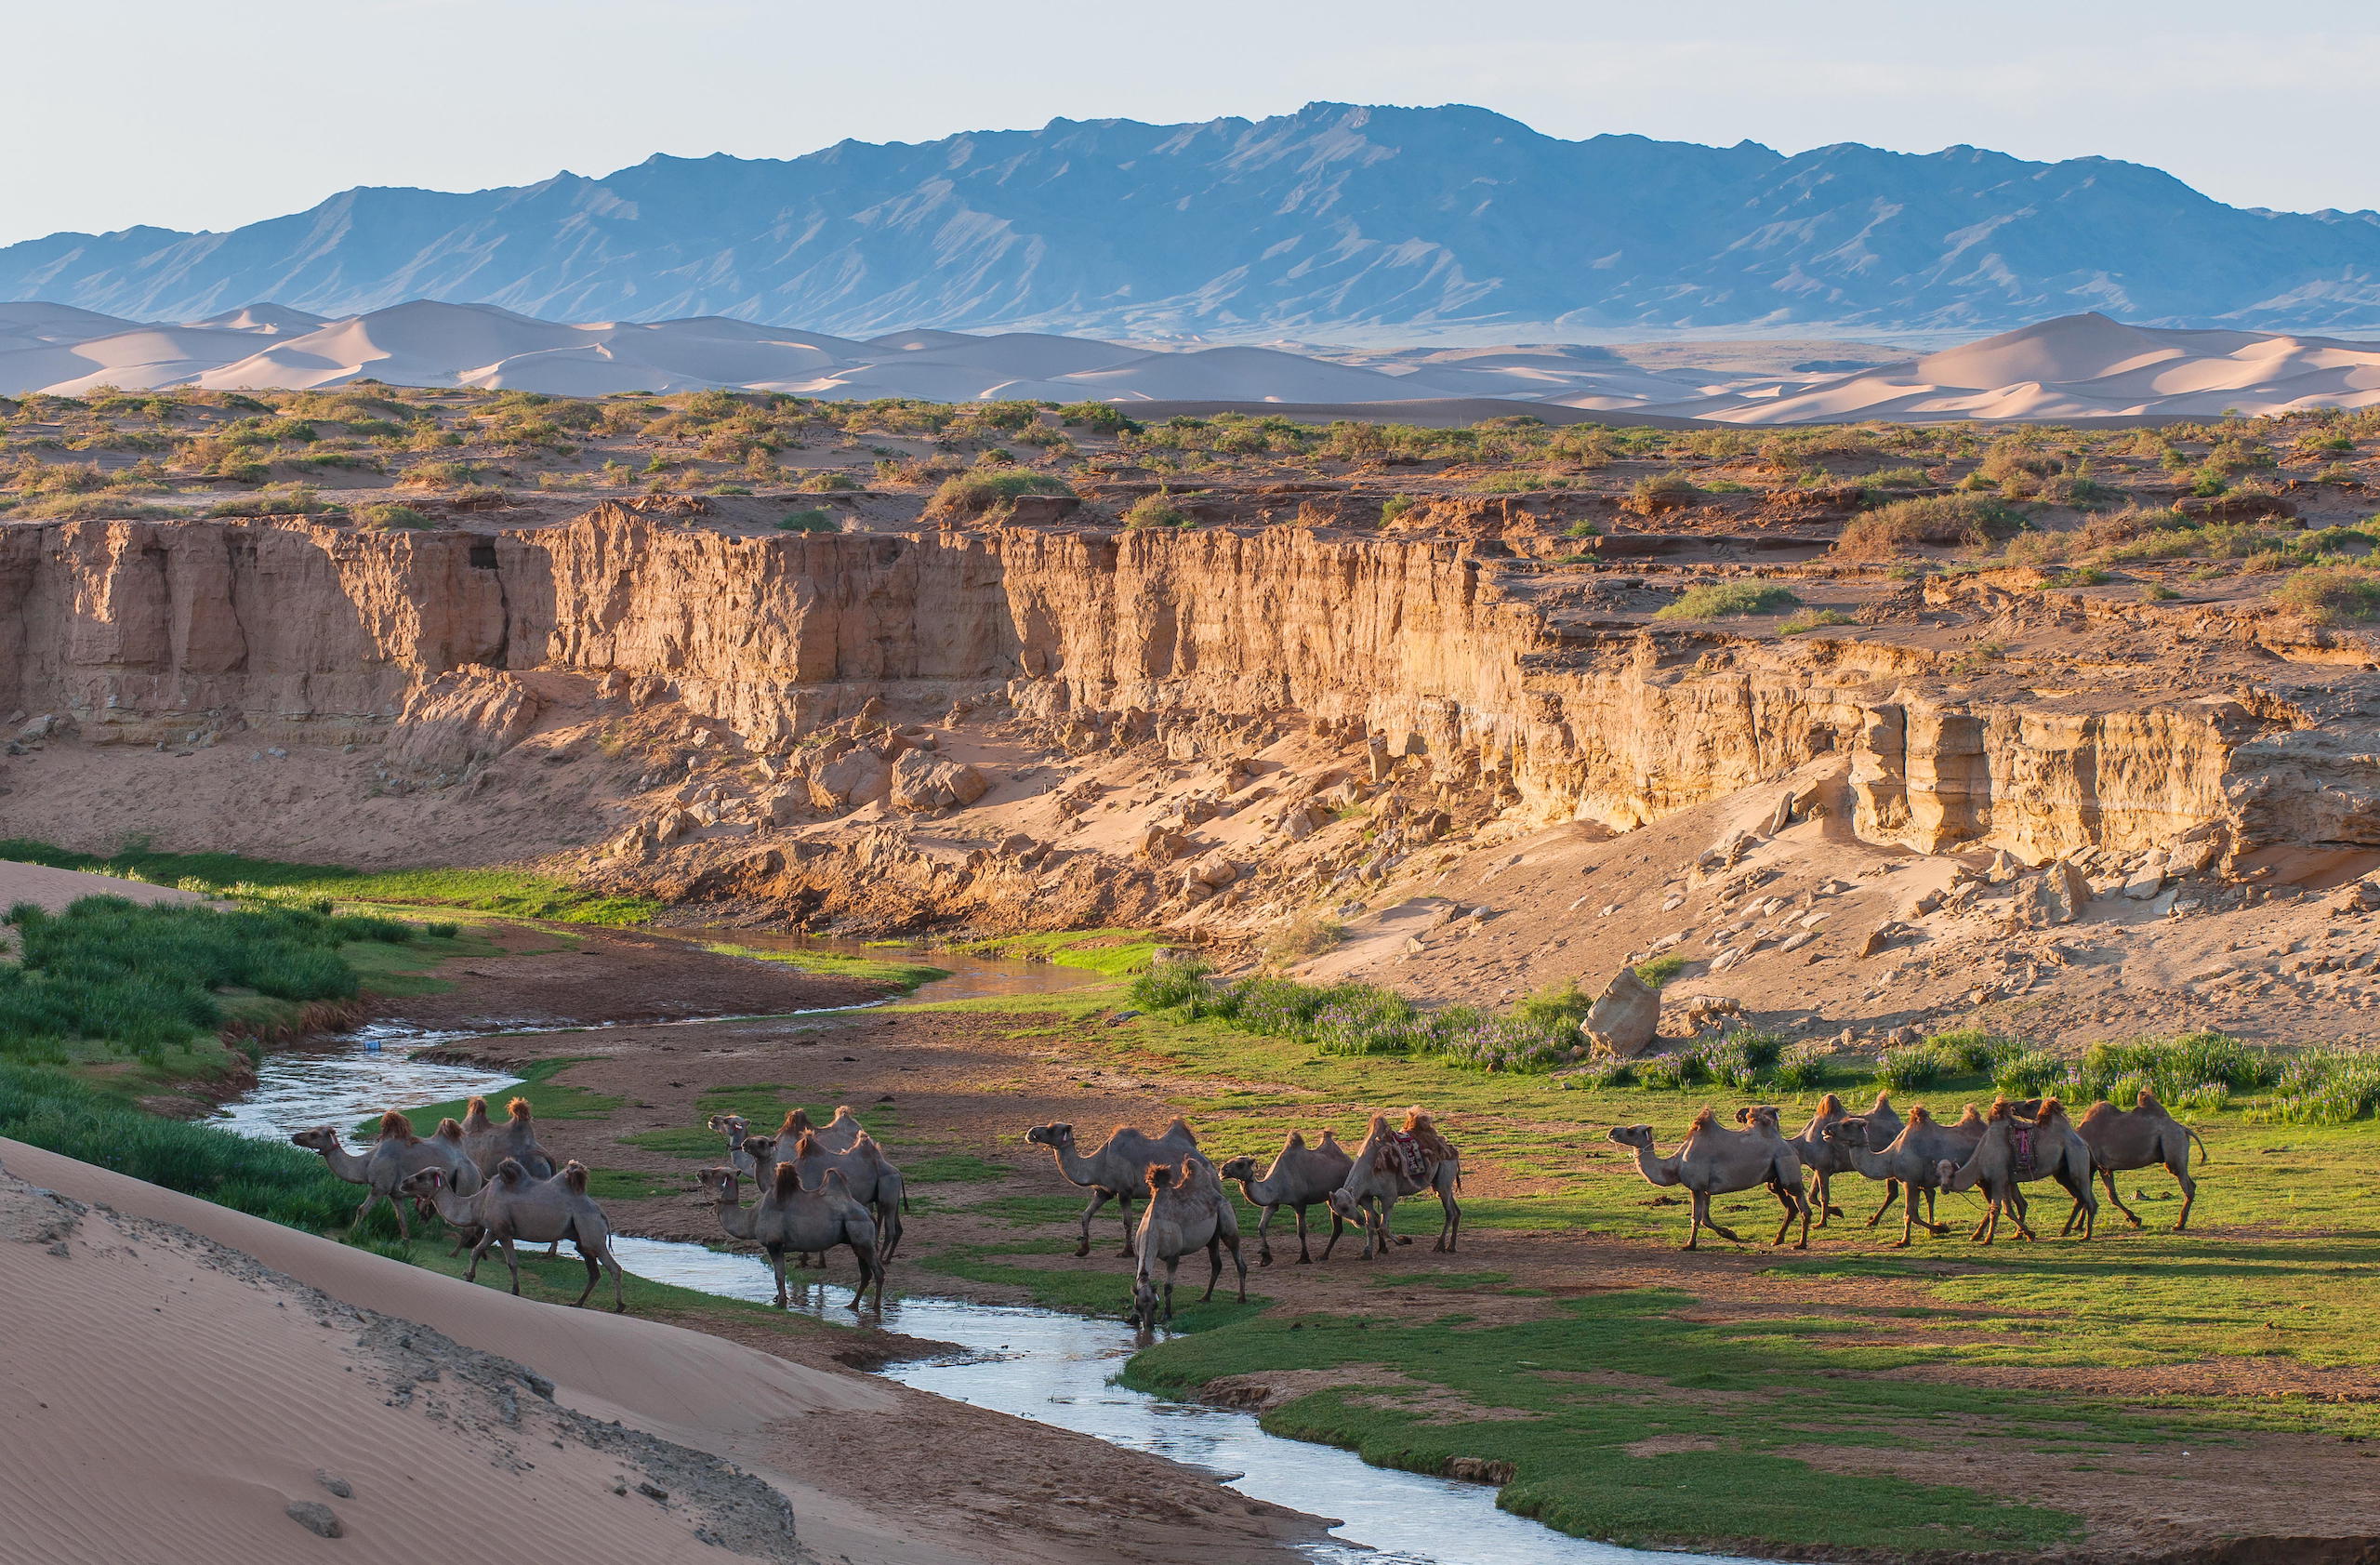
{"type": "Point", "coordinates": [1336, 215]}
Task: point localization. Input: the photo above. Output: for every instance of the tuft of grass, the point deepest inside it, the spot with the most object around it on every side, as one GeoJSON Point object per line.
{"type": "Point", "coordinates": [1806, 619]}
{"type": "Point", "coordinates": [1720, 600]}
{"type": "Point", "coordinates": [812, 519]}
{"type": "Point", "coordinates": [973, 493]}
{"type": "Point", "coordinates": [2331, 594]}
{"type": "Point", "coordinates": [1889, 530]}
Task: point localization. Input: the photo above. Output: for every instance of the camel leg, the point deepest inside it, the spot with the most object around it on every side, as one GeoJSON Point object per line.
{"type": "Point", "coordinates": [1098, 1200]}
{"type": "Point", "coordinates": [2108, 1175]}
{"type": "Point", "coordinates": [1702, 1216]}
{"type": "Point", "coordinates": [1908, 1218]}
{"type": "Point", "coordinates": [594, 1273]}
{"type": "Point", "coordinates": [1306, 1256]}
{"type": "Point", "coordinates": [512, 1265]}
{"type": "Point", "coordinates": [1214, 1267]}
{"type": "Point", "coordinates": [1796, 1204]}
{"type": "Point", "coordinates": [1239, 1262]}
{"type": "Point", "coordinates": [1451, 1228]}
{"type": "Point", "coordinates": [1892, 1189]}
{"type": "Point", "coordinates": [1264, 1244]}
{"type": "Point", "coordinates": [2189, 1189]}
{"type": "Point", "coordinates": [1125, 1201]}
{"type": "Point", "coordinates": [869, 1271]}
{"type": "Point", "coordinates": [1337, 1225]}
{"type": "Point", "coordinates": [776, 1265]}
{"type": "Point", "coordinates": [2087, 1201]}
{"type": "Point", "coordinates": [472, 1273]}
{"type": "Point", "coordinates": [2020, 1215]}
{"type": "Point", "coordinates": [888, 1231]}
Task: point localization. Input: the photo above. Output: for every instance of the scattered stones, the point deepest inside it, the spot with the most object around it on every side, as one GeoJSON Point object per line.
{"type": "Point", "coordinates": [316, 1518]}
{"type": "Point", "coordinates": [2059, 894]}
{"type": "Point", "coordinates": [335, 1484]}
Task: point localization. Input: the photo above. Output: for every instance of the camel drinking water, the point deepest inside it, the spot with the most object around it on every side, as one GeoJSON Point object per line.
{"type": "Point", "coordinates": [514, 1206]}
{"type": "Point", "coordinates": [398, 1154]}
{"type": "Point", "coordinates": [1115, 1170]}
{"type": "Point", "coordinates": [1188, 1212]}
{"type": "Point", "coordinates": [1391, 1165]}
{"type": "Point", "coordinates": [1300, 1175]}
{"type": "Point", "coordinates": [1714, 1161]}
{"type": "Point", "coordinates": [806, 1221]}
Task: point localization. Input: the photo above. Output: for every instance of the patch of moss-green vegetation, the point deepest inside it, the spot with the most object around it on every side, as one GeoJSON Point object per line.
{"type": "Point", "coordinates": [952, 1168]}
{"type": "Point", "coordinates": [1118, 953]}
{"type": "Point", "coordinates": [627, 1184]}
{"type": "Point", "coordinates": [903, 976]}
{"type": "Point", "coordinates": [513, 893]}
{"type": "Point", "coordinates": [549, 1099]}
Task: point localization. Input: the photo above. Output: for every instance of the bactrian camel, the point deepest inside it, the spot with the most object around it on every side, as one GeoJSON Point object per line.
{"type": "Point", "coordinates": [1714, 1161]}
{"type": "Point", "coordinates": [838, 1135]}
{"type": "Point", "coordinates": [737, 1130]}
{"type": "Point", "coordinates": [804, 1220]}
{"type": "Point", "coordinates": [2124, 1139]}
{"type": "Point", "coordinates": [1300, 1176]}
{"type": "Point", "coordinates": [2015, 1149]}
{"type": "Point", "coordinates": [867, 1173]}
{"type": "Point", "coordinates": [1820, 1158]}
{"type": "Point", "coordinates": [1115, 1170]}
{"type": "Point", "coordinates": [514, 1206]}
{"type": "Point", "coordinates": [487, 1144]}
{"type": "Point", "coordinates": [1187, 1211]}
{"type": "Point", "coordinates": [1910, 1161]}
{"type": "Point", "coordinates": [1391, 1165]}
{"type": "Point", "coordinates": [397, 1154]}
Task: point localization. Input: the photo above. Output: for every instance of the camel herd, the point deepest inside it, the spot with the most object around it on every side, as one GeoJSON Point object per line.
{"type": "Point", "coordinates": [825, 1187]}
{"type": "Point", "coordinates": [1996, 1152]}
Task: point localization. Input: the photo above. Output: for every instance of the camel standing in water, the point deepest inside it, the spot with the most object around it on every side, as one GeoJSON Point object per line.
{"type": "Point", "coordinates": [869, 1175]}
{"type": "Point", "coordinates": [514, 1206]}
{"type": "Point", "coordinates": [1187, 1211]}
{"type": "Point", "coordinates": [2015, 1149]}
{"type": "Point", "coordinates": [1117, 1169]}
{"type": "Point", "coordinates": [2124, 1139]}
{"type": "Point", "coordinates": [1714, 1161]}
{"type": "Point", "coordinates": [398, 1154]}
{"type": "Point", "coordinates": [1300, 1176]}
{"type": "Point", "coordinates": [1391, 1165]}
{"type": "Point", "coordinates": [805, 1221]}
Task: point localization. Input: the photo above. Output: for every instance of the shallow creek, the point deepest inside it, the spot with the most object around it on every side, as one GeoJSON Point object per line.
{"type": "Point", "coordinates": [1032, 1363]}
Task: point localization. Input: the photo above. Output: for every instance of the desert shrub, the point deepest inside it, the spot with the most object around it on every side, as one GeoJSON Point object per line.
{"type": "Point", "coordinates": [276, 500]}
{"type": "Point", "coordinates": [1098, 417]}
{"type": "Point", "coordinates": [2322, 1088]}
{"type": "Point", "coordinates": [1742, 1060]}
{"type": "Point", "coordinates": [1170, 983]}
{"type": "Point", "coordinates": [386, 515]}
{"type": "Point", "coordinates": [1973, 1051]}
{"type": "Point", "coordinates": [1657, 971]}
{"type": "Point", "coordinates": [2133, 521]}
{"type": "Point", "coordinates": [1722, 599]}
{"type": "Point", "coordinates": [1914, 1068]}
{"type": "Point", "coordinates": [1899, 478]}
{"type": "Point", "coordinates": [829, 484]}
{"type": "Point", "coordinates": [1396, 505]}
{"type": "Point", "coordinates": [1156, 510]}
{"type": "Point", "coordinates": [1812, 619]}
{"type": "Point", "coordinates": [973, 493]}
{"type": "Point", "coordinates": [1301, 938]}
{"type": "Point", "coordinates": [2027, 1074]}
{"type": "Point", "coordinates": [2331, 594]}
{"type": "Point", "coordinates": [812, 519]}
{"type": "Point", "coordinates": [1557, 1006]}
{"type": "Point", "coordinates": [1803, 1068]}
{"type": "Point", "coordinates": [1970, 519]}
{"type": "Point", "coordinates": [437, 475]}
{"type": "Point", "coordinates": [1671, 1072]}
{"type": "Point", "coordinates": [86, 507]}
{"type": "Point", "coordinates": [1659, 491]}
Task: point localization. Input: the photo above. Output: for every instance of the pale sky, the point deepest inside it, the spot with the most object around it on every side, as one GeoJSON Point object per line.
{"type": "Point", "coordinates": [127, 112]}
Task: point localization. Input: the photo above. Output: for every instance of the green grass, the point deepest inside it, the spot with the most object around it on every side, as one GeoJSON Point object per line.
{"type": "Point", "coordinates": [549, 1098]}
{"type": "Point", "coordinates": [903, 976]}
{"type": "Point", "coordinates": [1095, 1292]}
{"type": "Point", "coordinates": [510, 892]}
{"type": "Point", "coordinates": [1118, 953]}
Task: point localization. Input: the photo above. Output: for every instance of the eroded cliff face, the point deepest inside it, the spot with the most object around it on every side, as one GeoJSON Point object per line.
{"type": "Point", "coordinates": [1444, 656]}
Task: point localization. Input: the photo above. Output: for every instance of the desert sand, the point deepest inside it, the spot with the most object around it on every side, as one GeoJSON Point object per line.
{"type": "Point", "coordinates": [2075, 367]}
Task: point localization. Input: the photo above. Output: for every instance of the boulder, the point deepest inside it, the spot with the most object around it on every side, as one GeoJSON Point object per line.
{"type": "Point", "coordinates": [1163, 844]}
{"type": "Point", "coordinates": [2059, 894]}
{"type": "Point", "coordinates": [856, 777]}
{"type": "Point", "coordinates": [460, 720]}
{"type": "Point", "coordinates": [1625, 1017]}
{"type": "Point", "coordinates": [923, 781]}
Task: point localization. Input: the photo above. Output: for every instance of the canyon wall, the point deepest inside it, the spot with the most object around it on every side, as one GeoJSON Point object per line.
{"type": "Point", "coordinates": [1432, 648]}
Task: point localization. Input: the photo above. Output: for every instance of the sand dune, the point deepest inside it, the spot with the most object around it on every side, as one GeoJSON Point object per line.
{"type": "Point", "coordinates": [2077, 367]}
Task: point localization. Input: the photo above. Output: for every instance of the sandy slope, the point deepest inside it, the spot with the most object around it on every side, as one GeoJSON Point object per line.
{"type": "Point", "coordinates": [53, 889]}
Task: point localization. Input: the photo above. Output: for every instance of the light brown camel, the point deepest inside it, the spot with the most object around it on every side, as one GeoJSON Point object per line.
{"type": "Point", "coordinates": [867, 1173]}
{"type": "Point", "coordinates": [1187, 1211]}
{"type": "Point", "coordinates": [1910, 1161]}
{"type": "Point", "coordinates": [1714, 1161]}
{"type": "Point", "coordinates": [1391, 1165]}
{"type": "Point", "coordinates": [398, 1153]}
{"type": "Point", "coordinates": [512, 1206]}
{"type": "Point", "coordinates": [1115, 1170]}
{"type": "Point", "coordinates": [2015, 1149]}
{"type": "Point", "coordinates": [805, 1221]}
{"type": "Point", "coordinates": [838, 1135]}
{"type": "Point", "coordinates": [2147, 1136]}
{"type": "Point", "coordinates": [1820, 1158]}
{"type": "Point", "coordinates": [1300, 1175]}
{"type": "Point", "coordinates": [487, 1144]}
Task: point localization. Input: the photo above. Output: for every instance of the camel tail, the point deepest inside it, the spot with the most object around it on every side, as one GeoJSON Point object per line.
{"type": "Point", "coordinates": [395, 1125]}
{"type": "Point", "coordinates": [2203, 1155]}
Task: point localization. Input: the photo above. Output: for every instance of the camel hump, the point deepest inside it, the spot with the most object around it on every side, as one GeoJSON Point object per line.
{"type": "Point", "coordinates": [1329, 1139]}
{"type": "Point", "coordinates": [1921, 1115]}
{"type": "Point", "coordinates": [1183, 1125]}
{"type": "Point", "coordinates": [1883, 1102]}
{"type": "Point", "coordinates": [574, 1177]}
{"type": "Point", "coordinates": [1707, 1120]}
{"type": "Point", "coordinates": [1160, 1176]}
{"type": "Point", "coordinates": [2146, 1104]}
{"type": "Point", "coordinates": [2050, 1109]}
{"type": "Point", "coordinates": [788, 1180]}
{"type": "Point", "coordinates": [807, 1145]}
{"type": "Point", "coordinates": [510, 1171]}
{"type": "Point", "coordinates": [519, 1110]}
{"type": "Point", "coordinates": [449, 1130]}
{"type": "Point", "coordinates": [796, 1121]}
{"type": "Point", "coordinates": [1830, 1104]}
{"type": "Point", "coordinates": [845, 1111]}
{"type": "Point", "coordinates": [396, 1127]}
{"type": "Point", "coordinates": [475, 1109]}
{"type": "Point", "coordinates": [1967, 1116]}
{"type": "Point", "coordinates": [1378, 1128]}
{"type": "Point", "coordinates": [2001, 1109]}
{"type": "Point", "coordinates": [1296, 1143]}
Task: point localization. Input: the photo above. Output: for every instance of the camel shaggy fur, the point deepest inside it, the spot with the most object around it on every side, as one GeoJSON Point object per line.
{"type": "Point", "coordinates": [398, 1154]}
{"type": "Point", "coordinates": [514, 1206]}
{"type": "Point", "coordinates": [2146, 1136]}
{"type": "Point", "coordinates": [1187, 1211]}
{"type": "Point", "coordinates": [1714, 1161]}
{"type": "Point", "coordinates": [1300, 1176]}
{"type": "Point", "coordinates": [805, 1221]}
{"type": "Point", "coordinates": [1115, 1170]}
{"type": "Point", "coordinates": [1379, 1177]}
{"type": "Point", "coordinates": [839, 1135]}
{"type": "Point", "coordinates": [2015, 1149]}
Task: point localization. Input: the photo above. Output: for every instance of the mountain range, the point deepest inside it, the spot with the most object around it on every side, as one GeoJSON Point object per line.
{"type": "Point", "coordinates": [1337, 218]}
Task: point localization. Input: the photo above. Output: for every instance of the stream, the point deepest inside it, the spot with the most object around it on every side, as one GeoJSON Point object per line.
{"type": "Point", "coordinates": [1040, 1364]}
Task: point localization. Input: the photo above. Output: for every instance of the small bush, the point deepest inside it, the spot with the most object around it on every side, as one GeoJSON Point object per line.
{"type": "Point", "coordinates": [2331, 594]}
{"type": "Point", "coordinates": [1156, 510]}
{"type": "Point", "coordinates": [1971, 1050]}
{"type": "Point", "coordinates": [809, 521]}
{"type": "Point", "coordinates": [1914, 1068]}
{"type": "Point", "coordinates": [1812, 619]}
{"type": "Point", "coordinates": [2027, 1074]}
{"type": "Point", "coordinates": [1659, 969]}
{"type": "Point", "coordinates": [1303, 937]}
{"type": "Point", "coordinates": [1942, 520]}
{"type": "Point", "coordinates": [829, 484]}
{"type": "Point", "coordinates": [1662, 492]}
{"type": "Point", "coordinates": [973, 493]}
{"type": "Point", "coordinates": [1803, 1068]}
{"type": "Point", "coordinates": [384, 516]}
{"type": "Point", "coordinates": [1395, 507]}
{"type": "Point", "coordinates": [1723, 599]}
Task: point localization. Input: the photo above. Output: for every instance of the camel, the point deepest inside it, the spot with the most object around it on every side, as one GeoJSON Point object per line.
{"type": "Point", "coordinates": [1819, 1156]}
{"type": "Point", "coordinates": [1910, 1161]}
{"type": "Point", "coordinates": [398, 1153]}
{"type": "Point", "coordinates": [488, 1144]}
{"type": "Point", "coordinates": [1115, 1170]}
{"type": "Point", "coordinates": [2147, 1136]}
{"type": "Point", "coordinates": [838, 1135]}
{"type": "Point", "coordinates": [1187, 1211]}
{"type": "Point", "coordinates": [2014, 1150]}
{"type": "Point", "coordinates": [514, 1206]}
{"type": "Point", "coordinates": [737, 1130]}
{"type": "Point", "coordinates": [1300, 1176]}
{"type": "Point", "coordinates": [869, 1175]}
{"type": "Point", "coordinates": [1391, 1165]}
{"type": "Point", "coordinates": [805, 1221]}
{"type": "Point", "coordinates": [1714, 1161]}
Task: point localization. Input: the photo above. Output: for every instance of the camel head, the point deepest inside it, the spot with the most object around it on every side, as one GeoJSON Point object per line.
{"type": "Point", "coordinates": [319, 1138]}
{"type": "Point", "coordinates": [1239, 1168]}
{"type": "Point", "coordinates": [424, 1184]}
{"type": "Point", "coordinates": [1639, 1136]}
{"type": "Point", "coordinates": [761, 1149]}
{"type": "Point", "coordinates": [1144, 1301]}
{"type": "Point", "coordinates": [1847, 1133]}
{"type": "Point", "coordinates": [721, 1185]}
{"type": "Point", "coordinates": [1059, 1136]}
{"type": "Point", "coordinates": [728, 1124]}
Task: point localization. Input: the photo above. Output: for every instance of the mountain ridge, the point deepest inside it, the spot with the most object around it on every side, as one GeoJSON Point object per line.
{"type": "Point", "coordinates": [1336, 217]}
